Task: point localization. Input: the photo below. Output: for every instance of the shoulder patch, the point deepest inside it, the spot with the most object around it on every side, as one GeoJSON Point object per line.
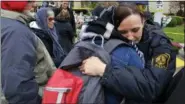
{"type": "Point", "coordinates": [161, 61]}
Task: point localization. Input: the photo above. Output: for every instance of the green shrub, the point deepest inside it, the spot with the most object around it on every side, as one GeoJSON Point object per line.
{"type": "Point", "coordinates": [173, 22]}
{"type": "Point", "coordinates": [179, 20]}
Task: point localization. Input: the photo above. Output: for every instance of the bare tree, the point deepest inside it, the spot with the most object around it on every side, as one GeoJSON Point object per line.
{"type": "Point", "coordinates": [177, 7]}
{"type": "Point", "coordinates": [173, 7]}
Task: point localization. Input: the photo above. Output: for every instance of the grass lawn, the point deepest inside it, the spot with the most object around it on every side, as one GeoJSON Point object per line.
{"type": "Point", "coordinates": [176, 33]}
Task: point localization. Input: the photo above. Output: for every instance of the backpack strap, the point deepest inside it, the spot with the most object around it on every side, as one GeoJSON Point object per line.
{"type": "Point", "coordinates": [111, 44]}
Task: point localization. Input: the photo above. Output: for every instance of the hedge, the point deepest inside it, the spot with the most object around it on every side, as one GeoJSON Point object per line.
{"type": "Point", "coordinates": [179, 20]}
{"type": "Point", "coordinates": [176, 20]}
{"type": "Point", "coordinates": [173, 22]}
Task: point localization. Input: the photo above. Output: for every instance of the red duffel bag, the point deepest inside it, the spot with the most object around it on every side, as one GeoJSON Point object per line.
{"type": "Point", "coordinates": [62, 87]}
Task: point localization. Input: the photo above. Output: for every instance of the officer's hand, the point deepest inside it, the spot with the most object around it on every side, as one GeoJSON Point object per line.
{"type": "Point", "coordinates": [93, 66]}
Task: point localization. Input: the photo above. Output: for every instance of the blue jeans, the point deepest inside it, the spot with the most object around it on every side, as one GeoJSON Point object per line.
{"type": "Point", "coordinates": [120, 57]}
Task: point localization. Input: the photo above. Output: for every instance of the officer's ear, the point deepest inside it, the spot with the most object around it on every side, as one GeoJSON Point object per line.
{"type": "Point", "coordinates": [143, 19]}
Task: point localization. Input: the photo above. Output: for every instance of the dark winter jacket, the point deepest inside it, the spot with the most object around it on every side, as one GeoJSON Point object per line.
{"type": "Point", "coordinates": [72, 19]}
{"type": "Point", "coordinates": [97, 11]}
{"type": "Point", "coordinates": [66, 34]}
{"type": "Point", "coordinates": [26, 64]}
{"type": "Point", "coordinates": [141, 86]}
{"type": "Point", "coordinates": [145, 86]}
{"type": "Point", "coordinates": [46, 39]}
{"type": "Point", "coordinates": [43, 36]}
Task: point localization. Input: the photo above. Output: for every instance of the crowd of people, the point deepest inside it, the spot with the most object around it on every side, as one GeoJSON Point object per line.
{"type": "Point", "coordinates": [34, 46]}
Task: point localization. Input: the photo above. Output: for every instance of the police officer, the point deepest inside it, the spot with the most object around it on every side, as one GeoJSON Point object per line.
{"type": "Point", "coordinates": [137, 86]}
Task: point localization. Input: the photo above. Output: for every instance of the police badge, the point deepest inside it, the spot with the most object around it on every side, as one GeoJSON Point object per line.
{"type": "Point", "coordinates": [161, 61]}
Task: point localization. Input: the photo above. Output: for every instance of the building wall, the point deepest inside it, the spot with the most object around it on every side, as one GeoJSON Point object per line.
{"type": "Point", "coordinates": [77, 4]}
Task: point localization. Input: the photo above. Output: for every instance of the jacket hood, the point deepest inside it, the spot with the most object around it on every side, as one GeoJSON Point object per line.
{"type": "Point", "coordinates": [34, 25]}
{"type": "Point", "coordinates": [17, 6]}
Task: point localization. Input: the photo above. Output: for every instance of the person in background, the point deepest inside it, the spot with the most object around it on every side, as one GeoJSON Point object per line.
{"type": "Point", "coordinates": [44, 28]}
{"type": "Point", "coordinates": [103, 6]}
{"type": "Point", "coordinates": [99, 8]}
{"type": "Point", "coordinates": [137, 86]}
{"type": "Point", "coordinates": [65, 30]}
{"type": "Point", "coordinates": [45, 3]}
{"type": "Point", "coordinates": [65, 5]}
{"type": "Point", "coordinates": [26, 64]}
{"type": "Point", "coordinates": [48, 4]}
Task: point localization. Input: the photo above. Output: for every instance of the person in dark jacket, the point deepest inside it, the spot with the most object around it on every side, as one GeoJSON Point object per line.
{"type": "Point", "coordinates": [137, 86]}
{"type": "Point", "coordinates": [97, 11]}
{"type": "Point", "coordinates": [103, 5]}
{"type": "Point", "coordinates": [44, 28]}
{"type": "Point", "coordinates": [65, 30]}
{"type": "Point", "coordinates": [45, 3]}
{"type": "Point", "coordinates": [65, 5]}
{"type": "Point", "coordinates": [18, 54]}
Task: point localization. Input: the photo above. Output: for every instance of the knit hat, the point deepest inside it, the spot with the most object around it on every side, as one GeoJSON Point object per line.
{"type": "Point", "coordinates": [17, 6]}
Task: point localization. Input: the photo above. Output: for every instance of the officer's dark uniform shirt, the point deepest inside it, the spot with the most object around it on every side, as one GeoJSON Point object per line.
{"type": "Point", "coordinates": [145, 86]}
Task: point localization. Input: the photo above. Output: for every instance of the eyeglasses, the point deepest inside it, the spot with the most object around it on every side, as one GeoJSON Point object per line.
{"type": "Point", "coordinates": [51, 19]}
{"type": "Point", "coordinates": [134, 30]}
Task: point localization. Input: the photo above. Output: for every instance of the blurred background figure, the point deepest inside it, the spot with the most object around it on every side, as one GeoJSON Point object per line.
{"type": "Point", "coordinates": [48, 4]}
{"type": "Point", "coordinates": [65, 5]}
{"type": "Point", "coordinates": [44, 28]}
{"type": "Point", "coordinates": [101, 6]}
{"type": "Point", "coordinates": [65, 30]}
{"type": "Point", "coordinates": [45, 3]}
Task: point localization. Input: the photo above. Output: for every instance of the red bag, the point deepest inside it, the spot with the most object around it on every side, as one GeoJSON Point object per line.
{"type": "Point", "coordinates": [62, 87]}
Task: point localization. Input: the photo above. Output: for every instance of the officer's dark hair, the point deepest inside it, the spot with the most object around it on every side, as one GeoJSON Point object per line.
{"type": "Point", "coordinates": [124, 10]}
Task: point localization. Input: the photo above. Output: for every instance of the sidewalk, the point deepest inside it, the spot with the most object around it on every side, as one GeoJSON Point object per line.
{"type": "Point", "coordinates": [181, 52]}
{"type": "Point", "coordinates": [180, 60]}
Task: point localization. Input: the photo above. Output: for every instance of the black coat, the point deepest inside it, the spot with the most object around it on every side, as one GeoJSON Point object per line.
{"type": "Point", "coordinates": [72, 19]}
{"type": "Point", "coordinates": [146, 86]}
{"type": "Point", "coordinates": [48, 42]}
{"type": "Point", "coordinates": [66, 34]}
{"type": "Point", "coordinates": [97, 11]}
{"type": "Point", "coordinates": [45, 39]}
